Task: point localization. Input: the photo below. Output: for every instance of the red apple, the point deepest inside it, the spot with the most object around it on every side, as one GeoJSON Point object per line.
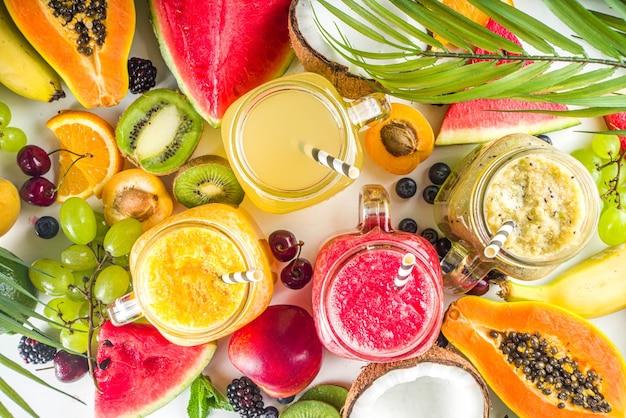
{"type": "Point", "coordinates": [279, 350]}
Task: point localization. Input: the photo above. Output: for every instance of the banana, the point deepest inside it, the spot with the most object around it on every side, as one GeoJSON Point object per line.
{"type": "Point", "coordinates": [594, 287]}
{"type": "Point", "coordinates": [22, 69]}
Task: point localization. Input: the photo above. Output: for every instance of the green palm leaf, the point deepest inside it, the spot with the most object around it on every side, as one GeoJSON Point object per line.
{"type": "Point", "coordinates": [415, 66]}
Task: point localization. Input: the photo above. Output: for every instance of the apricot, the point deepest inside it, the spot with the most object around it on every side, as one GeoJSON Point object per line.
{"type": "Point", "coordinates": [135, 193]}
{"type": "Point", "coordinates": [9, 205]}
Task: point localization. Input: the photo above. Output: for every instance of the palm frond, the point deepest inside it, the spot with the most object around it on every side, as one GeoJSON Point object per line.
{"type": "Point", "coordinates": [583, 69]}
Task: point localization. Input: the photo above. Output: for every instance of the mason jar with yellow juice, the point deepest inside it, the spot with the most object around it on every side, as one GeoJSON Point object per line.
{"type": "Point", "coordinates": [181, 269]}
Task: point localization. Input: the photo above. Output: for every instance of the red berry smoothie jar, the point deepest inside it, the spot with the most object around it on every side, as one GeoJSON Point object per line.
{"type": "Point", "coordinates": [366, 305]}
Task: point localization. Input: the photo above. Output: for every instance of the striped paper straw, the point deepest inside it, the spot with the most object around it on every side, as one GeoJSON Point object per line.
{"type": "Point", "coordinates": [498, 239]}
{"type": "Point", "coordinates": [331, 162]}
{"type": "Point", "coordinates": [408, 261]}
{"type": "Point", "coordinates": [243, 276]}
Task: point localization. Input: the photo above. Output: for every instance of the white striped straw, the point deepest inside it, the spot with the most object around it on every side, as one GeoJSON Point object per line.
{"type": "Point", "coordinates": [498, 239]}
{"type": "Point", "coordinates": [243, 276]}
{"type": "Point", "coordinates": [408, 261]}
{"type": "Point", "coordinates": [331, 162]}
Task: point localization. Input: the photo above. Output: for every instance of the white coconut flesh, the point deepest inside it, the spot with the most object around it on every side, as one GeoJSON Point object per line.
{"type": "Point", "coordinates": [428, 390]}
{"type": "Point", "coordinates": [308, 10]}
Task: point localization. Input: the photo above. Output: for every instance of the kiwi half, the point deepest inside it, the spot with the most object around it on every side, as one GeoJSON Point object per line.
{"type": "Point", "coordinates": [159, 131]}
{"type": "Point", "coordinates": [207, 179]}
{"type": "Point", "coordinates": [310, 409]}
{"type": "Point", "coordinates": [331, 394]}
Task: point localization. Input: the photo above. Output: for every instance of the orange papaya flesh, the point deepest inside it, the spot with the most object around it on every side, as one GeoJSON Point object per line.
{"type": "Point", "coordinates": [540, 359]}
{"type": "Point", "coordinates": [89, 48]}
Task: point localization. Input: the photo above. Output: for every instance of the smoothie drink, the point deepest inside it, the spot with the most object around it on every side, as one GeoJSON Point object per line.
{"type": "Point", "coordinates": [177, 267]}
{"type": "Point", "coordinates": [359, 312]}
{"type": "Point", "coordinates": [549, 197]}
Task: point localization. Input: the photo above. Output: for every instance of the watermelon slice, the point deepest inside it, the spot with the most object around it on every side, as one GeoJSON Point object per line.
{"type": "Point", "coordinates": [218, 50]}
{"type": "Point", "coordinates": [617, 121]}
{"type": "Point", "coordinates": [484, 120]}
{"type": "Point", "coordinates": [140, 371]}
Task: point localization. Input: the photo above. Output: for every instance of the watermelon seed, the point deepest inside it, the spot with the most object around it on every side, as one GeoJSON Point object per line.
{"type": "Point", "coordinates": [104, 364]}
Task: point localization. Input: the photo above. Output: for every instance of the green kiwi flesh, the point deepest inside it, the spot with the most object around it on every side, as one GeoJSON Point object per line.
{"type": "Point", "coordinates": [331, 394]}
{"type": "Point", "coordinates": [310, 409]}
{"type": "Point", "coordinates": [159, 131]}
{"type": "Point", "coordinates": [207, 179]}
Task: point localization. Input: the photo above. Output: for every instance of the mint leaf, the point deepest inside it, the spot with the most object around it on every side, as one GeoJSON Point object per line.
{"type": "Point", "coordinates": [204, 397]}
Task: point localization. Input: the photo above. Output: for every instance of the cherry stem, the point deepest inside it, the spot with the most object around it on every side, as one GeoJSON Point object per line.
{"type": "Point", "coordinates": [80, 157]}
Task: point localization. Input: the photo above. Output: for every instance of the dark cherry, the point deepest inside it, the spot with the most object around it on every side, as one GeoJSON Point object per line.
{"type": "Point", "coordinates": [38, 191]}
{"type": "Point", "coordinates": [284, 245]}
{"type": "Point", "coordinates": [33, 160]}
{"type": "Point", "coordinates": [297, 274]}
{"type": "Point", "coordinates": [69, 367]}
{"type": "Point", "coordinates": [480, 289]}
{"type": "Point", "coordinates": [442, 246]}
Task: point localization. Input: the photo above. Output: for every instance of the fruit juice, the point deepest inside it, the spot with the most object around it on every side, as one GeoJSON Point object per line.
{"type": "Point", "coordinates": [177, 267]}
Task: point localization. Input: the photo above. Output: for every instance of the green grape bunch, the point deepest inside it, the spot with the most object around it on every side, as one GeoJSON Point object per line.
{"type": "Point", "coordinates": [605, 163]}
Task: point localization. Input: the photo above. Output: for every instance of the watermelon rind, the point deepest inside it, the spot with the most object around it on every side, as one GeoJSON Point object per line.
{"type": "Point", "coordinates": [142, 371]}
{"type": "Point", "coordinates": [218, 50]}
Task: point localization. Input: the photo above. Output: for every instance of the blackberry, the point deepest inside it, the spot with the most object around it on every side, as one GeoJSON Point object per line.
{"type": "Point", "coordinates": [245, 397]}
{"type": "Point", "coordinates": [141, 75]}
{"type": "Point", "coordinates": [32, 351]}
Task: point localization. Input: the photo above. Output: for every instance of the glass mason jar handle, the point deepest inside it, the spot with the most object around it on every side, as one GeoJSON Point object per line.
{"type": "Point", "coordinates": [374, 208]}
{"type": "Point", "coordinates": [368, 109]}
{"type": "Point", "coordinates": [462, 269]}
{"type": "Point", "coordinates": [124, 309]}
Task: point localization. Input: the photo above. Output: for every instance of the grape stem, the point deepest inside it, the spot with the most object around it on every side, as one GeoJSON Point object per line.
{"type": "Point", "coordinates": [614, 182]}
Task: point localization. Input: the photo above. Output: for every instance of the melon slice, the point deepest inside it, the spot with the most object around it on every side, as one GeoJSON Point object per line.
{"type": "Point", "coordinates": [218, 50]}
{"type": "Point", "coordinates": [140, 371]}
{"type": "Point", "coordinates": [484, 120]}
{"type": "Point", "coordinates": [617, 121]}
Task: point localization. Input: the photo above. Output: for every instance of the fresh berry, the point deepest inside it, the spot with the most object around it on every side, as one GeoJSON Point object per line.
{"type": "Point", "coordinates": [438, 173]}
{"type": "Point", "coordinates": [479, 288]}
{"type": "Point", "coordinates": [406, 187]}
{"type": "Point", "coordinates": [271, 412]}
{"type": "Point", "coordinates": [431, 235]}
{"type": "Point", "coordinates": [32, 351]}
{"type": "Point", "coordinates": [38, 191]}
{"type": "Point", "coordinates": [442, 341]}
{"type": "Point", "coordinates": [430, 193]}
{"type": "Point", "coordinates": [284, 245]}
{"type": "Point", "coordinates": [408, 225]}
{"type": "Point", "coordinates": [33, 160]}
{"type": "Point", "coordinates": [544, 138]}
{"type": "Point", "coordinates": [245, 397]}
{"type": "Point", "coordinates": [142, 75]}
{"type": "Point", "coordinates": [287, 400]}
{"type": "Point", "coordinates": [297, 274]}
{"type": "Point", "coordinates": [69, 367]}
{"type": "Point", "coordinates": [442, 246]}
{"type": "Point", "coordinates": [46, 227]}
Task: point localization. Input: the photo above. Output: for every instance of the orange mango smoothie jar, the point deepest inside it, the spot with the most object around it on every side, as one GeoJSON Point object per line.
{"type": "Point", "coordinates": [198, 275]}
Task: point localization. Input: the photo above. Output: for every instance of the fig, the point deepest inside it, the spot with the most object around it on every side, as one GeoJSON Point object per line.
{"type": "Point", "coordinates": [279, 350]}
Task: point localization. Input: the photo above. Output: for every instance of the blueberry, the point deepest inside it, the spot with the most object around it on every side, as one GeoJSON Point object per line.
{"type": "Point", "coordinates": [408, 225]}
{"type": "Point", "coordinates": [286, 401]}
{"type": "Point", "coordinates": [442, 246]}
{"type": "Point", "coordinates": [430, 192]}
{"type": "Point", "coordinates": [544, 138]}
{"type": "Point", "coordinates": [406, 187]}
{"type": "Point", "coordinates": [46, 227]}
{"type": "Point", "coordinates": [271, 412]}
{"type": "Point", "coordinates": [438, 173]}
{"type": "Point", "coordinates": [431, 235]}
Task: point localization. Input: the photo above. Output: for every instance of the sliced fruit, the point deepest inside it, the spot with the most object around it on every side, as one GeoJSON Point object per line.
{"type": "Point", "coordinates": [617, 121]}
{"type": "Point", "coordinates": [10, 205]}
{"type": "Point", "coordinates": [90, 156]}
{"type": "Point", "coordinates": [242, 45]}
{"type": "Point", "coordinates": [400, 142]}
{"type": "Point", "coordinates": [12, 271]}
{"type": "Point", "coordinates": [499, 338]}
{"type": "Point", "coordinates": [139, 371]}
{"type": "Point", "coordinates": [310, 409]}
{"type": "Point", "coordinates": [134, 193]}
{"type": "Point", "coordinates": [89, 48]}
{"type": "Point", "coordinates": [331, 394]}
{"type": "Point", "coordinates": [207, 179]}
{"type": "Point", "coordinates": [159, 131]}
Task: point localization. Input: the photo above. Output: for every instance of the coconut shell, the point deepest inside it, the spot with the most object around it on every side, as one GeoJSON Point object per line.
{"type": "Point", "coordinates": [445, 356]}
{"type": "Point", "coordinates": [349, 85]}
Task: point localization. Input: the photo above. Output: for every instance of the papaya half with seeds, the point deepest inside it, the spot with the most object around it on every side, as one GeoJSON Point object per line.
{"type": "Point", "coordinates": [87, 43]}
{"type": "Point", "coordinates": [540, 359]}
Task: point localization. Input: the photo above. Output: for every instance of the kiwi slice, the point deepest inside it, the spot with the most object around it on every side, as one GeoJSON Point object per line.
{"type": "Point", "coordinates": [310, 409]}
{"type": "Point", "coordinates": [159, 131]}
{"type": "Point", "coordinates": [331, 394]}
{"type": "Point", "coordinates": [207, 179]}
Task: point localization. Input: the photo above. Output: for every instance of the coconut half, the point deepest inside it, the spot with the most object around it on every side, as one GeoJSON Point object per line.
{"type": "Point", "coordinates": [439, 383]}
{"type": "Point", "coordinates": [317, 55]}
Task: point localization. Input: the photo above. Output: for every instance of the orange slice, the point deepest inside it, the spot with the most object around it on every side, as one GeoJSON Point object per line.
{"type": "Point", "coordinates": [94, 156]}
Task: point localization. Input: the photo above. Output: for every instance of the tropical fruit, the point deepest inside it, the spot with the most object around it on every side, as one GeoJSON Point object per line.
{"type": "Point", "coordinates": [90, 156]}
{"type": "Point", "coordinates": [88, 46]}
{"type": "Point", "coordinates": [541, 360]}
{"type": "Point", "coordinates": [220, 49]}
{"type": "Point", "coordinates": [484, 120]}
{"type": "Point", "coordinates": [11, 270]}
{"type": "Point", "coordinates": [139, 371]}
{"type": "Point", "coordinates": [10, 205]}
